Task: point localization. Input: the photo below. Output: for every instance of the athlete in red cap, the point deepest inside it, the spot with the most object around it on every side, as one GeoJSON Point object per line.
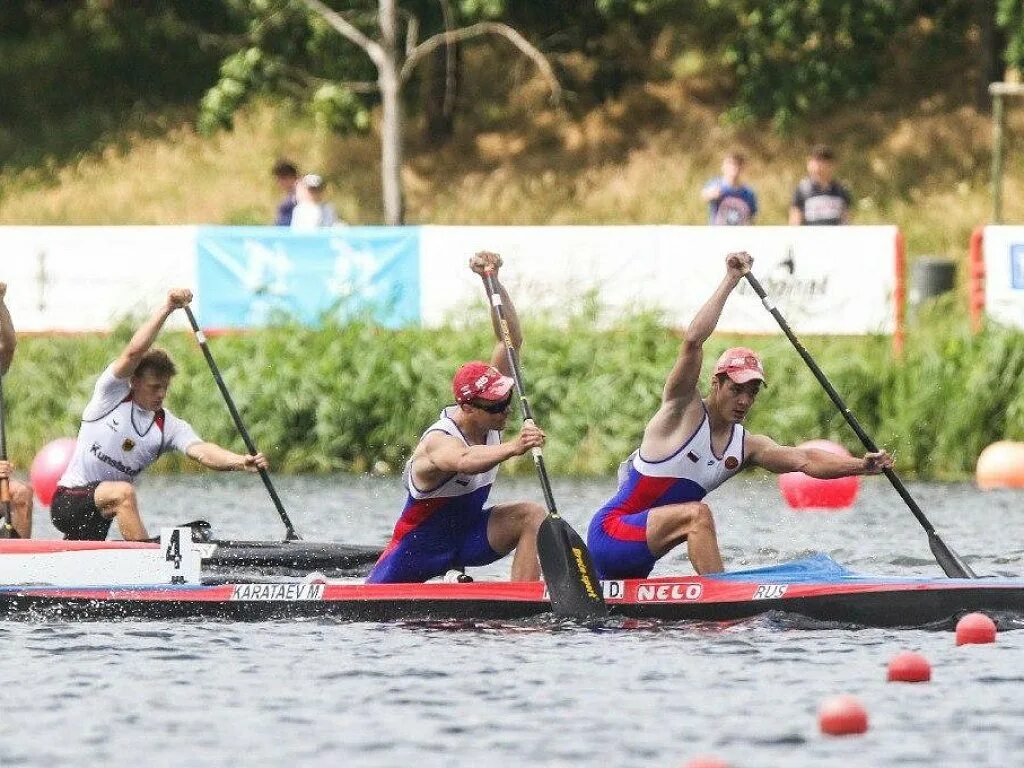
{"type": "Point", "coordinates": [692, 445]}
{"type": "Point", "coordinates": [445, 524]}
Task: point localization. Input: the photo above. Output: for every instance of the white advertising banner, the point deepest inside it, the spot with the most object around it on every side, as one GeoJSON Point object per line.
{"type": "Point", "coordinates": [87, 278]}
{"type": "Point", "coordinates": [825, 280]}
{"type": "Point", "coordinates": [1004, 274]}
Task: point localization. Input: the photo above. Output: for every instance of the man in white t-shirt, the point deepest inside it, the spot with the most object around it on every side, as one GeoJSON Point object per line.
{"type": "Point", "coordinates": [125, 428]}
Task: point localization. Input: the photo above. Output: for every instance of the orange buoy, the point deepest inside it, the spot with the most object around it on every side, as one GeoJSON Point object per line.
{"type": "Point", "coordinates": [805, 492]}
{"type": "Point", "coordinates": [975, 629]}
{"type": "Point", "coordinates": [842, 716]}
{"type": "Point", "coordinates": [47, 467]}
{"type": "Point", "coordinates": [909, 667]}
{"type": "Point", "coordinates": [1001, 465]}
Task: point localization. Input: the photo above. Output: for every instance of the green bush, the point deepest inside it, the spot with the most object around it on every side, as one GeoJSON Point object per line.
{"type": "Point", "coordinates": [343, 398]}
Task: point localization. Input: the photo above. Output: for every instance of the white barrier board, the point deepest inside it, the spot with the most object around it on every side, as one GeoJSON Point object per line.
{"type": "Point", "coordinates": [1003, 248]}
{"type": "Point", "coordinates": [87, 278]}
{"type": "Point", "coordinates": [826, 280]}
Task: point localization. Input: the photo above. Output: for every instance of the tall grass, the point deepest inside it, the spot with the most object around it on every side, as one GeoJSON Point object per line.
{"type": "Point", "coordinates": [349, 397]}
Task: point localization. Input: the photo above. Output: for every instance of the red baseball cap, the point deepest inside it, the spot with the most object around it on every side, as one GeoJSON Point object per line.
{"type": "Point", "coordinates": [480, 380]}
{"type": "Point", "coordinates": [741, 364]}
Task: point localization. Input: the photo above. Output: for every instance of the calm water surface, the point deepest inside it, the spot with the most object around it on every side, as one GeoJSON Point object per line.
{"type": "Point", "coordinates": [329, 694]}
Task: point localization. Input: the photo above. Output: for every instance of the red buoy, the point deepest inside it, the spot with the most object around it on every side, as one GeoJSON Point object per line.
{"type": "Point", "coordinates": [706, 762]}
{"type": "Point", "coordinates": [909, 667]}
{"type": "Point", "coordinates": [48, 465]}
{"type": "Point", "coordinates": [975, 629]}
{"type": "Point", "coordinates": [805, 492]}
{"type": "Point", "coordinates": [842, 716]}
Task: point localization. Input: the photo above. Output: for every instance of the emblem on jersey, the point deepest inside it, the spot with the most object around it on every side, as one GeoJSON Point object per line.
{"type": "Point", "coordinates": [128, 444]}
{"type": "Point", "coordinates": [693, 457]}
{"type": "Point", "coordinates": [732, 462]}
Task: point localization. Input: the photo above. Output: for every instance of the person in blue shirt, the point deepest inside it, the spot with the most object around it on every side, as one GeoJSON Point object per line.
{"type": "Point", "coordinates": [730, 201]}
{"type": "Point", "coordinates": [287, 176]}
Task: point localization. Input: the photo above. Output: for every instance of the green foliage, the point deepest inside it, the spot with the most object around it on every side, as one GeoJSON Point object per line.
{"type": "Point", "coordinates": [794, 58]}
{"type": "Point", "coordinates": [344, 397]}
{"type": "Point", "coordinates": [1010, 18]}
{"type": "Point", "coordinates": [77, 75]}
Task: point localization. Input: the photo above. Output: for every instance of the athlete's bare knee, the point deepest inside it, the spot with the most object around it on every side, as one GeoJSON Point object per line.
{"type": "Point", "coordinates": [118, 495]}
{"type": "Point", "coordinates": [21, 495]}
{"type": "Point", "coordinates": [533, 514]}
{"type": "Point", "coordinates": [703, 520]}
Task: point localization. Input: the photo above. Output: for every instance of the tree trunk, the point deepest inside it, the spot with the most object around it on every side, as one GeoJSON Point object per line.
{"type": "Point", "coordinates": [391, 123]}
{"type": "Point", "coordinates": [990, 48]}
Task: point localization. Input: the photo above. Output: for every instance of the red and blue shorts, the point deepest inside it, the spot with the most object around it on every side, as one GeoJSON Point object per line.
{"type": "Point", "coordinates": [446, 540]}
{"type": "Point", "coordinates": [618, 544]}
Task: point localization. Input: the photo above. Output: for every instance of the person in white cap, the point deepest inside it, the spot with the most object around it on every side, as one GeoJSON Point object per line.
{"type": "Point", "coordinates": [446, 523]}
{"type": "Point", "coordinates": [311, 212]}
{"type": "Point", "coordinates": [692, 445]}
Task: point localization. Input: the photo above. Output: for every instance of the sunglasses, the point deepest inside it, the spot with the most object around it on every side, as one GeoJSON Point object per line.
{"type": "Point", "coordinates": [499, 407]}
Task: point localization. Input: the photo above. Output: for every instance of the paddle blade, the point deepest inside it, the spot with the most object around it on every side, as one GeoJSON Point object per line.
{"type": "Point", "coordinates": [950, 562]}
{"type": "Point", "coordinates": [569, 572]}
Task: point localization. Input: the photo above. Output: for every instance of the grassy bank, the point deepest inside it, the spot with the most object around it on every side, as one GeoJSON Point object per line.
{"type": "Point", "coordinates": [345, 398]}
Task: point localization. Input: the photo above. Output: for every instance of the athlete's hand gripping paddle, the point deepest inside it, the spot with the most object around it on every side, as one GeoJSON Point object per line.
{"type": "Point", "coordinates": [569, 572]}
{"type": "Point", "coordinates": [290, 533]}
{"type": "Point", "coordinates": [948, 560]}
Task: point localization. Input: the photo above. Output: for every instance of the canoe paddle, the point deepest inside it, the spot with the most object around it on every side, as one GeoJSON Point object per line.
{"type": "Point", "coordinates": [6, 527]}
{"type": "Point", "coordinates": [569, 572]}
{"type": "Point", "coordinates": [290, 534]}
{"type": "Point", "coordinates": [948, 560]}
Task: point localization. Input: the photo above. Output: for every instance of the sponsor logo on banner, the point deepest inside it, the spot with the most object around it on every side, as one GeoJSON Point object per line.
{"type": "Point", "coordinates": [769, 591]}
{"type": "Point", "coordinates": [669, 593]}
{"type": "Point", "coordinates": [278, 592]}
{"type": "Point", "coordinates": [1017, 266]}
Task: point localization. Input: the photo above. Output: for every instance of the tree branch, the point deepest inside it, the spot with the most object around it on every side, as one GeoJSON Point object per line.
{"type": "Point", "coordinates": [449, 62]}
{"type": "Point", "coordinates": [412, 31]}
{"type": "Point", "coordinates": [345, 28]}
{"type": "Point", "coordinates": [477, 30]}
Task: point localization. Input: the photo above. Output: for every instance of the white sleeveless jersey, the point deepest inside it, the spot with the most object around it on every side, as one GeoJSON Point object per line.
{"type": "Point", "coordinates": [118, 439]}
{"type": "Point", "coordinates": [458, 484]}
{"type": "Point", "coordinates": [687, 475]}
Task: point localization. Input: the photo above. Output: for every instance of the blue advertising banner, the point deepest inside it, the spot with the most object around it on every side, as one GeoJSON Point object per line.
{"type": "Point", "coordinates": [255, 276]}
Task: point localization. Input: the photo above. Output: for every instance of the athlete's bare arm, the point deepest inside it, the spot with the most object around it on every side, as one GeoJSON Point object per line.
{"type": "Point", "coordinates": [8, 339]}
{"type": "Point", "coordinates": [143, 339]}
{"type": "Point", "coordinates": [212, 456]}
{"type": "Point", "coordinates": [441, 455]}
{"type": "Point", "coordinates": [680, 410]}
{"type": "Point", "coordinates": [499, 358]}
{"type": "Point", "coordinates": [764, 452]}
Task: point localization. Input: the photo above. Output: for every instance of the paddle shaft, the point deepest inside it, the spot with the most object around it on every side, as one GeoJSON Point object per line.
{"type": "Point", "coordinates": [568, 569]}
{"type": "Point", "coordinates": [950, 562]}
{"type": "Point", "coordinates": [290, 533]}
{"type": "Point", "coordinates": [5, 486]}
{"type": "Point", "coordinates": [517, 376]}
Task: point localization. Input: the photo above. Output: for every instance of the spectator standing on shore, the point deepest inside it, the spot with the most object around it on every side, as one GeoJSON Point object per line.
{"type": "Point", "coordinates": [730, 201]}
{"type": "Point", "coordinates": [820, 199]}
{"type": "Point", "coordinates": [311, 212]}
{"type": "Point", "coordinates": [287, 176]}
